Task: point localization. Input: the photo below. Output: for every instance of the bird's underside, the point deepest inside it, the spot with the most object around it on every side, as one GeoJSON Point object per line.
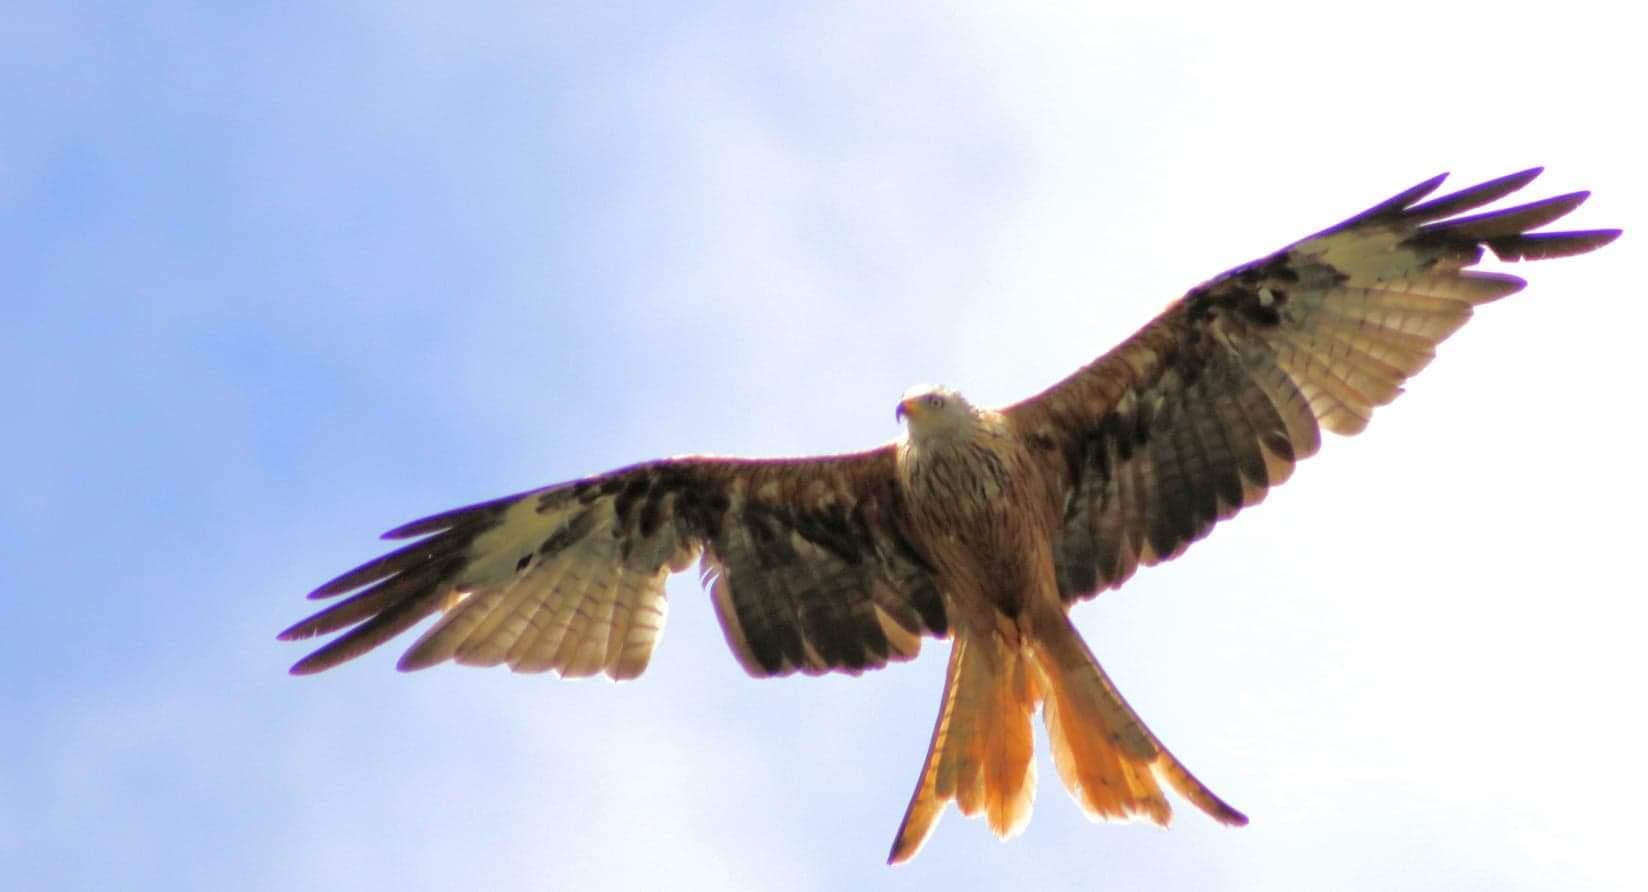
{"type": "Point", "coordinates": [981, 526]}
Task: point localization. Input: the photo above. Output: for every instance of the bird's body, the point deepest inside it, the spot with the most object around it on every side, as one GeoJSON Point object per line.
{"type": "Point", "coordinates": [975, 480]}
{"type": "Point", "coordinates": [965, 473]}
{"type": "Point", "coordinates": [982, 526]}
{"type": "Point", "coordinates": [995, 507]}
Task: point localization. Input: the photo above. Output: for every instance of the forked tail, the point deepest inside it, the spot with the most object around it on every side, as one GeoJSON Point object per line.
{"type": "Point", "coordinates": [1106, 756]}
{"type": "Point", "coordinates": [982, 753]}
{"type": "Point", "coordinates": [982, 750]}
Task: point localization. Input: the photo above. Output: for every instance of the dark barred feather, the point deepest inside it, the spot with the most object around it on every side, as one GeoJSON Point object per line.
{"type": "Point", "coordinates": [809, 568]}
{"type": "Point", "coordinates": [1210, 405]}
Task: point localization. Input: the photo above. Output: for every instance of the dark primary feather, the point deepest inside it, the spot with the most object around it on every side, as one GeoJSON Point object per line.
{"type": "Point", "coordinates": [1211, 404]}
{"type": "Point", "coordinates": [409, 583]}
{"type": "Point", "coordinates": [816, 565]}
{"type": "Point", "coordinates": [819, 574]}
{"type": "Point", "coordinates": [806, 562]}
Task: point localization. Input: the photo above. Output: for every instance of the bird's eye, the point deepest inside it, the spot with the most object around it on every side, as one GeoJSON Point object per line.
{"type": "Point", "coordinates": [934, 401]}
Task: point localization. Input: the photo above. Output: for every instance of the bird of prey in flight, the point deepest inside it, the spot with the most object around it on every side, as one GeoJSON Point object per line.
{"type": "Point", "coordinates": [983, 526]}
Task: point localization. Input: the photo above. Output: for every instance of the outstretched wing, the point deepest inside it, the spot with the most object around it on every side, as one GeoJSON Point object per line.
{"type": "Point", "coordinates": [1213, 402]}
{"type": "Point", "coordinates": [806, 560]}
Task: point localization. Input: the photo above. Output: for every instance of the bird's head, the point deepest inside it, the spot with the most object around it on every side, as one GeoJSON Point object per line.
{"type": "Point", "coordinates": [930, 411]}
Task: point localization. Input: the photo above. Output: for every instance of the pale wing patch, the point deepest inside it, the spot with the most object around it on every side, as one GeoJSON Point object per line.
{"type": "Point", "coordinates": [558, 588]}
{"type": "Point", "coordinates": [904, 643]}
{"type": "Point", "coordinates": [1215, 401]}
{"type": "Point", "coordinates": [804, 559]}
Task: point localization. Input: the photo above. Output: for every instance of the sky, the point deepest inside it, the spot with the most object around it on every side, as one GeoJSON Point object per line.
{"type": "Point", "coordinates": [277, 279]}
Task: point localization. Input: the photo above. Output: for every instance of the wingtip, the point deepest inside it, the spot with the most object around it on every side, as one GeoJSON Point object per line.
{"type": "Point", "coordinates": [345, 582]}
{"type": "Point", "coordinates": [305, 666]}
{"type": "Point", "coordinates": [1549, 245]}
{"type": "Point", "coordinates": [1407, 197]}
{"type": "Point", "coordinates": [1515, 182]}
{"type": "Point", "coordinates": [334, 653]}
{"type": "Point", "coordinates": [1401, 203]}
{"type": "Point", "coordinates": [1570, 200]}
{"type": "Point", "coordinates": [1470, 197]}
{"type": "Point", "coordinates": [404, 531]}
{"type": "Point", "coordinates": [1510, 182]}
{"type": "Point", "coordinates": [412, 661]}
{"type": "Point", "coordinates": [911, 836]}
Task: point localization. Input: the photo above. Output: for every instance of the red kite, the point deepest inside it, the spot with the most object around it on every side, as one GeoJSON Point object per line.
{"type": "Point", "coordinates": [980, 525]}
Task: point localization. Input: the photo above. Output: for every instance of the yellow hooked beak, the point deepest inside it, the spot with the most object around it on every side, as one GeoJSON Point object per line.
{"type": "Point", "coordinates": [906, 408]}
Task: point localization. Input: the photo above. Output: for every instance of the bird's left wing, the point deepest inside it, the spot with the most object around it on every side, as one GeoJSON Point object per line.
{"type": "Point", "coordinates": [1213, 402]}
{"type": "Point", "coordinates": [806, 561]}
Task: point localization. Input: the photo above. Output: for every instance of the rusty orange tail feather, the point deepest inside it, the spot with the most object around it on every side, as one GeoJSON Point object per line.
{"type": "Point", "coordinates": [982, 751]}
{"type": "Point", "coordinates": [1106, 756]}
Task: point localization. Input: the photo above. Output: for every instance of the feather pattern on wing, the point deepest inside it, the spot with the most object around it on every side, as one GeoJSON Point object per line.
{"type": "Point", "coordinates": [805, 560]}
{"type": "Point", "coordinates": [1206, 408]}
{"type": "Point", "coordinates": [837, 563]}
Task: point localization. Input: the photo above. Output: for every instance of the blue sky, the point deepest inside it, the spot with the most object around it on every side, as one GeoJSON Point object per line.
{"type": "Point", "coordinates": [278, 280]}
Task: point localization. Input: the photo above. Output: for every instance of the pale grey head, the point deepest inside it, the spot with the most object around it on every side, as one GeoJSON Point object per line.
{"type": "Point", "coordinates": [930, 411]}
